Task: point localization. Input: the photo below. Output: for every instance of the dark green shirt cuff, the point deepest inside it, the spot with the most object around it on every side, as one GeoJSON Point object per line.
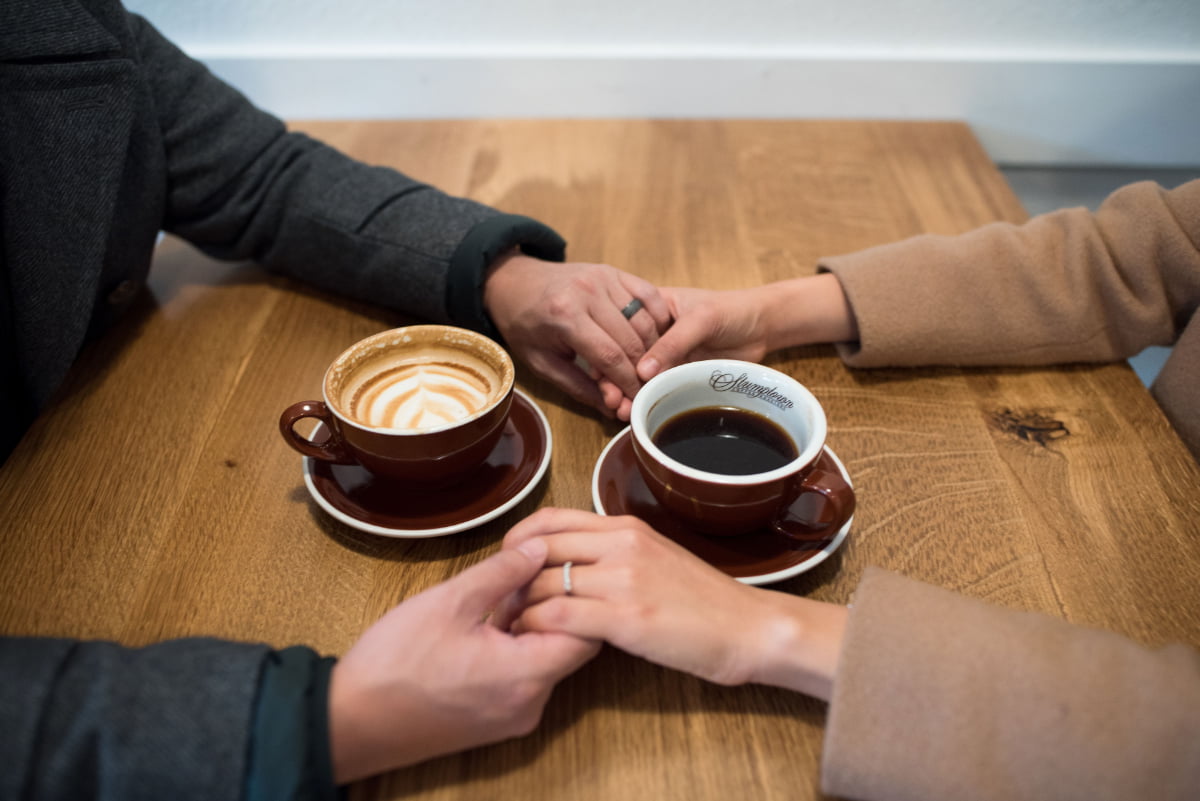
{"type": "Point", "coordinates": [478, 249]}
{"type": "Point", "coordinates": [289, 743]}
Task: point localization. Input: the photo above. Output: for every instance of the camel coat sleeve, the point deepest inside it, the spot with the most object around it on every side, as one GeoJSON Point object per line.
{"type": "Point", "coordinates": [1069, 286]}
{"type": "Point", "coordinates": [939, 696]}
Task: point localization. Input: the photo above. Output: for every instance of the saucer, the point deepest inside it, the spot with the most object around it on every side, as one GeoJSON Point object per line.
{"type": "Point", "coordinates": [759, 557]}
{"type": "Point", "coordinates": [355, 497]}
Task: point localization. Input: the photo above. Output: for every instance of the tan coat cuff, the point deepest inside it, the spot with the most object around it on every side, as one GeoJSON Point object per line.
{"type": "Point", "coordinates": [940, 696]}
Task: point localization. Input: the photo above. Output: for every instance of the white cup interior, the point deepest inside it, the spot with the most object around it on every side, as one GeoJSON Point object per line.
{"type": "Point", "coordinates": [737, 384]}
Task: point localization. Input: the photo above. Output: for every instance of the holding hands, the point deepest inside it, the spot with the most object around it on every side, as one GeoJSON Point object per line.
{"type": "Point", "coordinates": [552, 315]}
{"type": "Point", "coordinates": [710, 324]}
{"type": "Point", "coordinates": [598, 332]}
{"type": "Point", "coordinates": [741, 324]}
{"type": "Point", "coordinates": [473, 660]}
{"type": "Point", "coordinates": [648, 596]}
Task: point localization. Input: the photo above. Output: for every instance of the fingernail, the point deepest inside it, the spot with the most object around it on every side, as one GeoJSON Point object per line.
{"type": "Point", "coordinates": [648, 367]}
{"type": "Point", "coordinates": [534, 548]}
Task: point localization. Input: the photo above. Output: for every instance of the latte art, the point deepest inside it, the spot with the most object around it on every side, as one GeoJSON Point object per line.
{"type": "Point", "coordinates": [422, 379]}
{"type": "Point", "coordinates": [420, 396]}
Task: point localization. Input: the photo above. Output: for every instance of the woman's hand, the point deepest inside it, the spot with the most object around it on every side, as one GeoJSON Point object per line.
{"type": "Point", "coordinates": [649, 596]}
{"type": "Point", "coordinates": [735, 324]}
{"type": "Point", "coordinates": [748, 323]}
{"type": "Point", "coordinates": [742, 324]}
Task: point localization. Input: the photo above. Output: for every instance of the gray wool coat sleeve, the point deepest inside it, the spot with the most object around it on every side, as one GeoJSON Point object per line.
{"type": "Point", "coordinates": [241, 186]}
{"type": "Point", "coordinates": [96, 720]}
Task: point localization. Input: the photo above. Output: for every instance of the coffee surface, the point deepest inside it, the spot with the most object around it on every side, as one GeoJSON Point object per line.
{"type": "Point", "coordinates": [419, 391]}
{"type": "Point", "coordinates": [722, 439]}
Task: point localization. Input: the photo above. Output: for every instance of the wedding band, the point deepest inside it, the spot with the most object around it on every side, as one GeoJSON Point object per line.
{"type": "Point", "coordinates": [632, 308]}
{"type": "Point", "coordinates": [567, 578]}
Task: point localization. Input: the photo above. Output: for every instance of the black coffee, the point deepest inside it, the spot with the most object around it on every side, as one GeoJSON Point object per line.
{"type": "Point", "coordinates": [721, 439]}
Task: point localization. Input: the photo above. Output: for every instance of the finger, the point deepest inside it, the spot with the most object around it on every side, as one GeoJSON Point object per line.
{"type": "Point", "coordinates": [509, 609]}
{"type": "Point", "coordinates": [610, 344]}
{"type": "Point", "coordinates": [653, 302]}
{"type": "Point", "coordinates": [641, 321]}
{"type": "Point", "coordinates": [578, 547]}
{"type": "Point", "coordinates": [674, 346]}
{"type": "Point", "coordinates": [588, 580]}
{"type": "Point", "coordinates": [586, 618]}
{"type": "Point", "coordinates": [644, 326]}
{"type": "Point", "coordinates": [613, 364]}
{"type": "Point", "coordinates": [554, 655]}
{"type": "Point", "coordinates": [588, 370]}
{"type": "Point", "coordinates": [624, 410]}
{"type": "Point", "coordinates": [590, 539]}
{"type": "Point", "coordinates": [549, 583]}
{"type": "Point", "coordinates": [552, 520]}
{"type": "Point", "coordinates": [482, 586]}
{"type": "Point", "coordinates": [611, 393]}
{"type": "Point", "coordinates": [618, 543]}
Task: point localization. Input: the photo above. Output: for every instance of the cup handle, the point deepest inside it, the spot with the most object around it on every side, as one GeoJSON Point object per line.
{"type": "Point", "coordinates": [331, 450]}
{"type": "Point", "coordinates": [799, 520]}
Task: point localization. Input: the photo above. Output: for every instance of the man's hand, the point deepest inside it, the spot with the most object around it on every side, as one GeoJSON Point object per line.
{"type": "Point", "coordinates": [555, 315]}
{"type": "Point", "coordinates": [707, 325]}
{"type": "Point", "coordinates": [432, 676]}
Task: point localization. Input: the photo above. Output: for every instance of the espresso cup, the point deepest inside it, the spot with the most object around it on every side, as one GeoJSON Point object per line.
{"type": "Point", "coordinates": [731, 447]}
{"type": "Point", "coordinates": [424, 404]}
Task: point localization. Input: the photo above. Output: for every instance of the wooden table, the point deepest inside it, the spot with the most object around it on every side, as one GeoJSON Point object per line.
{"type": "Point", "coordinates": [156, 498]}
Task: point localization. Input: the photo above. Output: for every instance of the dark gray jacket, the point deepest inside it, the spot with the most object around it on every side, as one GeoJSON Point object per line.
{"type": "Point", "coordinates": [108, 134]}
{"type": "Point", "coordinates": [186, 720]}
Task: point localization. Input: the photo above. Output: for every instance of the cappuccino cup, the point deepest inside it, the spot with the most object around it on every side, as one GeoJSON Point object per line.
{"type": "Point", "coordinates": [424, 404]}
{"type": "Point", "coordinates": [730, 447]}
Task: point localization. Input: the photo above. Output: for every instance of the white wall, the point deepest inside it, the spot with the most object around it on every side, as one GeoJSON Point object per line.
{"type": "Point", "coordinates": [1041, 81]}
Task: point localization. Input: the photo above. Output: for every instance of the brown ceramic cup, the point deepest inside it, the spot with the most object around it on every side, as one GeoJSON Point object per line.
{"type": "Point", "coordinates": [797, 498]}
{"type": "Point", "coordinates": [424, 404]}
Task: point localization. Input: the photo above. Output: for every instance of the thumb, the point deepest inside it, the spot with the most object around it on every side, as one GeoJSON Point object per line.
{"type": "Point", "coordinates": [484, 585]}
{"type": "Point", "coordinates": [673, 347]}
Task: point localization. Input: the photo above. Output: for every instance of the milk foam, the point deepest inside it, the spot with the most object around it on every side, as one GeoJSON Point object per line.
{"type": "Point", "coordinates": [419, 378]}
{"type": "Point", "coordinates": [420, 396]}
{"type": "Point", "coordinates": [415, 390]}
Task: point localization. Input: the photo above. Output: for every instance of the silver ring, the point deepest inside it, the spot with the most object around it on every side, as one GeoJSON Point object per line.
{"type": "Point", "coordinates": [567, 578]}
{"type": "Point", "coordinates": [632, 308]}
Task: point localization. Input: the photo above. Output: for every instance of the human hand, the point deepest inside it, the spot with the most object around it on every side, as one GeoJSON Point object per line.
{"type": "Point", "coordinates": [651, 597]}
{"type": "Point", "coordinates": [553, 314]}
{"type": "Point", "coordinates": [433, 677]}
{"type": "Point", "coordinates": [743, 324]}
{"type": "Point", "coordinates": [707, 325]}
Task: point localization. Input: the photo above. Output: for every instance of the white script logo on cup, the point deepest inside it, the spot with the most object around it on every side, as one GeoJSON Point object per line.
{"type": "Point", "coordinates": [731, 447]}
{"type": "Point", "coordinates": [423, 404]}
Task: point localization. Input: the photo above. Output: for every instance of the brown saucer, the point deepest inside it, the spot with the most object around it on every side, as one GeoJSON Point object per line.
{"type": "Point", "coordinates": [760, 557]}
{"type": "Point", "coordinates": [377, 506]}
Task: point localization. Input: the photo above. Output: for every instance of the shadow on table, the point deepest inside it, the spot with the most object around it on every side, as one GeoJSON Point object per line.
{"type": "Point", "coordinates": [656, 696]}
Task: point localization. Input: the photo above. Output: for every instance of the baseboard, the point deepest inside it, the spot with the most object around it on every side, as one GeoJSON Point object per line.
{"type": "Point", "coordinates": [1060, 113]}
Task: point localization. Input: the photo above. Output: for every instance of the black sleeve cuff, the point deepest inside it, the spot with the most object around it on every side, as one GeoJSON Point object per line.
{"type": "Point", "coordinates": [289, 742]}
{"type": "Point", "coordinates": [478, 249]}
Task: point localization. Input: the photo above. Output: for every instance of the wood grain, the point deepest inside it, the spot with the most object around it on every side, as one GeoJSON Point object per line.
{"type": "Point", "coordinates": [155, 498]}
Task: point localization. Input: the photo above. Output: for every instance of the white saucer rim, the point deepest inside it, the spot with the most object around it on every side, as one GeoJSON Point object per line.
{"type": "Point", "coordinates": [441, 531]}
{"type": "Point", "coordinates": [764, 578]}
